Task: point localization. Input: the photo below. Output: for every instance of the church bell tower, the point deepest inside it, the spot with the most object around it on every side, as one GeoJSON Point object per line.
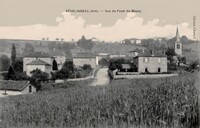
{"type": "Point", "coordinates": [178, 44]}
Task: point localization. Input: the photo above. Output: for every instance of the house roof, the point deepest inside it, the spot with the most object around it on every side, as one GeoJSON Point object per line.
{"type": "Point", "coordinates": [151, 53]}
{"type": "Point", "coordinates": [39, 54]}
{"type": "Point", "coordinates": [38, 62]}
{"type": "Point", "coordinates": [126, 66]}
{"type": "Point", "coordinates": [57, 53]}
{"type": "Point", "coordinates": [136, 50]}
{"type": "Point", "coordinates": [84, 55]}
{"type": "Point", "coordinates": [13, 85]}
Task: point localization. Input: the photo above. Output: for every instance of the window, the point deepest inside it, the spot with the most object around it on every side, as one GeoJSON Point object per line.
{"type": "Point", "coordinates": [159, 60]}
{"type": "Point", "coordinates": [146, 60]}
{"type": "Point", "coordinates": [158, 69]}
{"type": "Point", "coordinates": [30, 89]}
{"type": "Point", "coordinates": [146, 70]}
{"type": "Point", "coordinates": [178, 46]}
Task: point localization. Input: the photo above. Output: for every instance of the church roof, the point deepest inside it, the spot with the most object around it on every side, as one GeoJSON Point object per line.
{"type": "Point", "coordinates": [38, 62]}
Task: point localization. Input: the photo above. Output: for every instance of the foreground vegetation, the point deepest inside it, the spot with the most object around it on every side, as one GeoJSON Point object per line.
{"type": "Point", "coordinates": [167, 102]}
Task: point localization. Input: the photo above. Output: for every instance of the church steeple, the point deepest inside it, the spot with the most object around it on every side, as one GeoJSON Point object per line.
{"type": "Point", "coordinates": [177, 35]}
{"type": "Point", "coordinates": [178, 44]}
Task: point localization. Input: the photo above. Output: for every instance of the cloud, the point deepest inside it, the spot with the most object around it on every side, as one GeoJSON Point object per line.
{"type": "Point", "coordinates": [71, 27]}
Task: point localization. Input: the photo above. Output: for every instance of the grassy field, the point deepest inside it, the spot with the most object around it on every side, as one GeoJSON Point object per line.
{"type": "Point", "coordinates": [150, 103]}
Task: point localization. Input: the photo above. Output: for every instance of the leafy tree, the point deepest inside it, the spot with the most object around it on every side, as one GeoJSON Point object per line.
{"type": "Point", "coordinates": [55, 65]}
{"type": "Point", "coordinates": [13, 53]}
{"type": "Point", "coordinates": [85, 44]}
{"type": "Point", "coordinates": [68, 65]}
{"type": "Point", "coordinates": [28, 49]}
{"type": "Point", "coordinates": [37, 74]}
{"type": "Point", "coordinates": [18, 65]}
{"type": "Point", "coordinates": [66, 72]}
{"type": "Point", "coordinates": [170, 53]}
{"type": "Point", "coordinates": [104, 62]}
{"type": "Point", "coordinates": [194, 66]}
{"type": "Point", "coordinates": [87, 67]}
{"type": "Point", "coordinates": [4, 63]}
{"type": "Point", "coordinates": [10, 74]}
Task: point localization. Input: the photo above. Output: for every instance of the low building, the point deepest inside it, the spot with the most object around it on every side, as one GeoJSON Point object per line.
{"type": "Point", "coordinates": [152, 62]}
{"type": "Point", "coordinates": [38, 64]}
{"type": "Point", "coordinates": [9, 88]}
{"type": "Point", "coordinates": [81, 59]}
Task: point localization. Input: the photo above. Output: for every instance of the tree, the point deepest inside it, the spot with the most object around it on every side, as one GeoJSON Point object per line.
{"type": "Point", "coordinates": [55, 65]}
{"type": "Point", "coordinates": [10, 74]}
{"type": "Point", "coordinates": [87, 67]}
{"type": "Point", "coordinates": [104, 62]}
{"type": "Point", "coordinates": [18, 65]}
{"type": "Point", "coordinates": [13, 53]}
{"type": "Point", "coordinates": [66, 71]}
{"type": "Point", "coordinates": [37, 74]}
{"type": "Point", "coordinates": [85, 44]}
{"type": "Point", "coordinates": [68, 65]}
{"type": "Point", "coordinates": [4, 63]}
{"type": "Point", "coordinates": [170, 53]}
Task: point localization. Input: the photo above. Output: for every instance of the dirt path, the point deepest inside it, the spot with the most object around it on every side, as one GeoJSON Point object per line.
{"type": "Point", "coordinates": [102, 77]}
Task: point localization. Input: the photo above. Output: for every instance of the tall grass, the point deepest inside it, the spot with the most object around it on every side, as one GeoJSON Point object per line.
{"type": "Point", "coordinates": [166, 102]}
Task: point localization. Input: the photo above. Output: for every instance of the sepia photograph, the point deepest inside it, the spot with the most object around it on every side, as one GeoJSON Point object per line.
{"type": "Point", "coordinates": [99, 64]}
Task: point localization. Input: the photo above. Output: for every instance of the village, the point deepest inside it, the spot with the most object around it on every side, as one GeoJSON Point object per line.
{"type": "Point", "coordinates": [56, 66]}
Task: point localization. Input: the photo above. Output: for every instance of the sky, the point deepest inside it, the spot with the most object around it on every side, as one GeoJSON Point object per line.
{"type": "Point", "coordinates": [35, 19]}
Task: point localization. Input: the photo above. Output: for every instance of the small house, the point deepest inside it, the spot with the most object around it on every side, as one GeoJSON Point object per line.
{"type": "Point", "coordinates": [9, 88]}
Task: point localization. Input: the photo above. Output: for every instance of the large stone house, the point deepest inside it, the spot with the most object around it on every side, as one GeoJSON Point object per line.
{"type": "Point", "coordinates": [152, 62]}
{"type": "Point", "coordinates": [38, 60]}
{"type": "Point", "coordinates": [8, 88]}
{"type": "Point", "coordinates": [85, 58]}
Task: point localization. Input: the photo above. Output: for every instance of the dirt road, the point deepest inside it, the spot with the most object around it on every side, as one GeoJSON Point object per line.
{"type": "Point", "coordinates": [102, 77]}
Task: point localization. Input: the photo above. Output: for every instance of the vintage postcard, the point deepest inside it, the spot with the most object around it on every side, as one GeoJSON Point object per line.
{"type": "Point", "coordinates": [99, 64]}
